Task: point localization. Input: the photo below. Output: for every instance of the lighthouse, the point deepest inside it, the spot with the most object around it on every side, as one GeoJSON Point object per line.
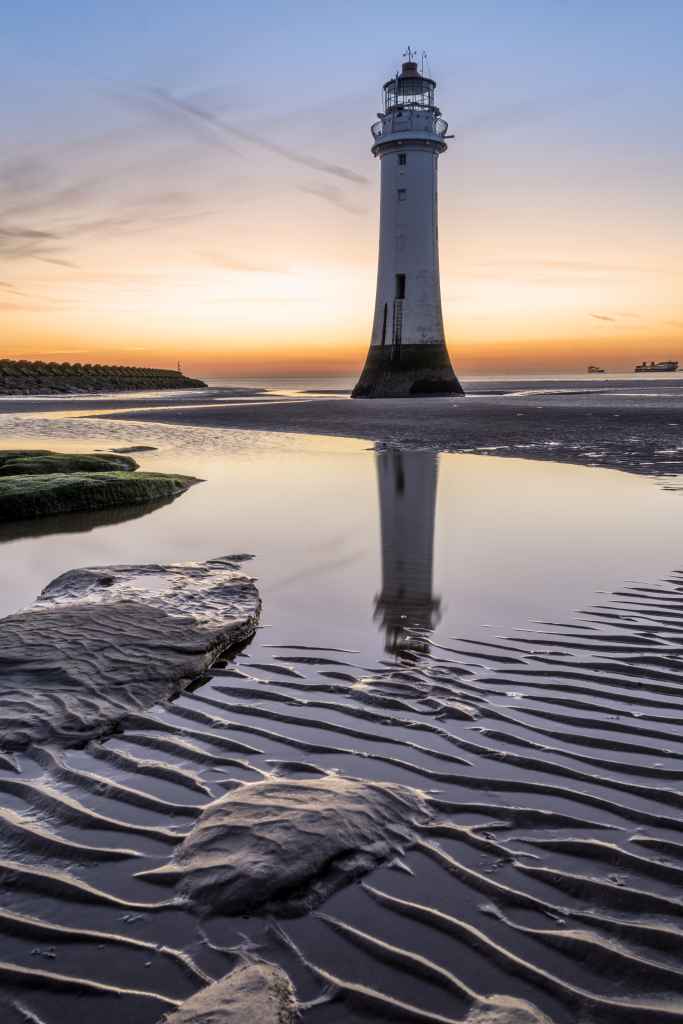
{"type": "Point", "coordinates": [408, 355]}
{"type": "Point", "coordinates": [407, 608]}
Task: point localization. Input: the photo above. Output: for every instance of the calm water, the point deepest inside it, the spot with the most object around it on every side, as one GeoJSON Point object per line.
{"type": "Point", "coordinates": [348, 540]}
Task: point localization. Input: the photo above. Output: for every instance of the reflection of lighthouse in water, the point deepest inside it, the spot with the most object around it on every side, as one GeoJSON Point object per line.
{"type": "Point", "coordinates": [407, 496]}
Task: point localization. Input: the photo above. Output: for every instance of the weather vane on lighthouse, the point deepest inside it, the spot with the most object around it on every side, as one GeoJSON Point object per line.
{"type": "Point", "coordinates": [408, 355]}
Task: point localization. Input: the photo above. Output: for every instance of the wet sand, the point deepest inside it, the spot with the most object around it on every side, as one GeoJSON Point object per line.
{"type": "Point", "coordinates": [543, 884]}
{"type": "Point", "coordinates": [627, 424]}
{"type": "Point", "coordinates": [639, 433]}
{"type": "Point", "coordinates": [548, 872]}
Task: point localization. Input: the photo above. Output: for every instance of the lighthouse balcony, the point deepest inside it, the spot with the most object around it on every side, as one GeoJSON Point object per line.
{"type": "Point", "coordinates": [409, 126]}
{"type": "Point", "coordinates": [426, 122]}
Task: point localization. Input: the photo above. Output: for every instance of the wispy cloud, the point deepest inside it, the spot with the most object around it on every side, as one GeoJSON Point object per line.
{"type": "Point", "coordinates": [41, 200]}
{"type": "Point", "coordinates": [599, 316]}
{"type": "Point", "coordinates": [30, 243]}
{"type": "Point", "coordinates": [223, 128]}
{"type": "Point", "coordinates": [333, 195]}
{"type": "Point", "coordinates": [244, 266]}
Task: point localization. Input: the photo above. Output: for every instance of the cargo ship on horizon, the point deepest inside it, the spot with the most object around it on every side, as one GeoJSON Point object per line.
{"type": "Point", "coordinates": [666, 366]}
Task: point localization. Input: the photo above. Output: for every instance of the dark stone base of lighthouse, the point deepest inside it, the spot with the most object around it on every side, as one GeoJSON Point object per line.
{"type": "Point", "coordinates": [409, 371]}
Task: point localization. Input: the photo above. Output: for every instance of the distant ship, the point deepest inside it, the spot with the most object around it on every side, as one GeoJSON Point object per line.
{"type": "Point", "coordinates": [667, 366]}
{"type": "Point", "coordinates": [595, 369]}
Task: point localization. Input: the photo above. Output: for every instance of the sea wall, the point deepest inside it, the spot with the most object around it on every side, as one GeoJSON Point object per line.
{"type": "Point", "coordinates": [22, 377]}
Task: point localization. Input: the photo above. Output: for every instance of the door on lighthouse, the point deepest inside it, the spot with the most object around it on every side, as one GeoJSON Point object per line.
{"type": "Point", "coordinates": [397, 329]}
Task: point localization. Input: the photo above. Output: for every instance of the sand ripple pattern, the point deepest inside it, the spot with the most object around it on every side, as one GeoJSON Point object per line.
{"type": "Point", "coordinates": [549, 874]}
{"type": "Point", "coordinates": [101, 641]}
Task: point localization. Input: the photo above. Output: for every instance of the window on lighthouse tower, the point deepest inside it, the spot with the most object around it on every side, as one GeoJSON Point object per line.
{"type": "Point", "coordinates": [401, 195]}
{"type": "Point", "coordinates": [402, 159]}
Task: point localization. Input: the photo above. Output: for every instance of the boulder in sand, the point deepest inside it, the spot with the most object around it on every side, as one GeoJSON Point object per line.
{"type": "Point", "coordinates": [284, 846]}
{"type": "Point", "coordinates": [254, 993]}
{"type": "Point", "coordinates": [505, 1010]}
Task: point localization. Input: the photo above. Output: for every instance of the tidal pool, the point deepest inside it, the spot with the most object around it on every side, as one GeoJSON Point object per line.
{"type": "Point", "coordinates": [352, 544]}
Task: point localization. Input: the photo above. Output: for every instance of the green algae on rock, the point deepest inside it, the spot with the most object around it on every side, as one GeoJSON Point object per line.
{"type": "Point", "coordinates": [57, 462]}
{"type": "Point", "coordinates": [27, 496]}
{"type": "Point", "coordinates": [10, 454]}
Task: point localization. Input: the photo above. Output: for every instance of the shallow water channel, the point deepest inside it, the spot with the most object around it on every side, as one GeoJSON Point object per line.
{"type": "Point", "coordinates": [398, 587]}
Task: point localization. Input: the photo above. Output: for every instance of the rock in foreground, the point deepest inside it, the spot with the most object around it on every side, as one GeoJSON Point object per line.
{"type": "Point", "coordinates": [285, 846]}
{"type": "Point", "coordinates": [99, 643]}
{"type": "Point", "coordinates": [257, 993]}
{"type": "Point", "coordinates": [28, 497]}
{"type": "Point", "coordinates": [505, 1010]}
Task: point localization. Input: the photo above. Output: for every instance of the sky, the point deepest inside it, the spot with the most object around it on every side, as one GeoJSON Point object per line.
{"type": "Point", "coordinates": [194, 182]}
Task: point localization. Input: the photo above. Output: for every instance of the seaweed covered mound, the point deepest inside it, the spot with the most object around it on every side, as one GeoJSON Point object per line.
{"type": "Point", "coordinates": [14, 463]}
{"type": "Point", "coordinates": [23, 377]}
{"type": "Point", "coordinates": [12, 454]}
{"type": "Point", "coordinates": [287, 845]}
{"type": "Point", "coordinates": [100, 643]}
{"type": "Point", "coordinates": [253, 993]}
{"type": "Point", "coordinates": [29, 496]}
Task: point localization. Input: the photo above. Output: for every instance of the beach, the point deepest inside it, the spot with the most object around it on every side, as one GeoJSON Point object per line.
{"type": "Point", "coordinates": [623, 422]}
{"type": "Point", "coordinates": [470, 638]}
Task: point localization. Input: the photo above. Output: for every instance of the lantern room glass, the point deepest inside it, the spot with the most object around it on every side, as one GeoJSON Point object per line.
{"type": "Point", "coordinates": [414, 93]}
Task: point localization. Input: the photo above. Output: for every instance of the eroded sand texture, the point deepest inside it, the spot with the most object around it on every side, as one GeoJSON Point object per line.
{"type": "Point", "coordinates": [99, 643]}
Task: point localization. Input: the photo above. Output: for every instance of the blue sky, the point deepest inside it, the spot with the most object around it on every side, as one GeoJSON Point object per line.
{"type": "Point", "coordinates": [568, 152]}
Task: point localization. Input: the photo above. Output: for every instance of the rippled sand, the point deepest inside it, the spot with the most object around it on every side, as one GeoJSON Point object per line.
{"type": "Point", "coordinates": [550, 871]}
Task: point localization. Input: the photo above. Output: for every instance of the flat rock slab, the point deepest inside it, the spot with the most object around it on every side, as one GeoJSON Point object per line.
{"type": "Point", "coordinates": [257, 993]}
{"type": "Point", "coordinates": [31, 497]}
{"type": "Point", "coordinates": [100, 643]}
{"type": "Point", "coordinates": [285, 846]}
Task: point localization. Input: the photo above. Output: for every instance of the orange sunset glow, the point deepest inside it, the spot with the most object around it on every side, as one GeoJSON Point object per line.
{"type": "Point", "coordinates": [201, 217]}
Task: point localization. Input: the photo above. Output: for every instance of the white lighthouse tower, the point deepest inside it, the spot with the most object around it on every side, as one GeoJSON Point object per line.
{"type": "Point", "coordinates": [408, 354]}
